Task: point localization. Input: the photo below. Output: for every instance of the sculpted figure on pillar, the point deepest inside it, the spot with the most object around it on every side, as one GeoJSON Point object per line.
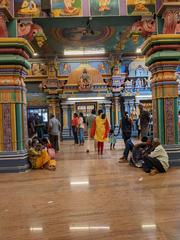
{"type": "Point", "coordinates": [171, 21]}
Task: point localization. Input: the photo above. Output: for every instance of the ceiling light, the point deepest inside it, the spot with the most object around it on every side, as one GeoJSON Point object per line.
{"type": "Point", "coordinates": [84, 52]}
{"type": "Point", "coordinates": [85, 98]}
{"type": "Point", "coordinates": [138, 50]}
{"type": "Point", "coordinates": [35, 54]}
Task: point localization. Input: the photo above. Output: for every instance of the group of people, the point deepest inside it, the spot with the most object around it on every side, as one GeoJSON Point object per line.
{"type": "Point", "coordinates": [35, 125]}
{"type": "Point", "coordinates": [41, 154]}
{"type": "Point", "coordinates": [42, 150]}
{"type": "Point", "coordinates": [149, 154]}
{"type": "Point", "coordinates": [97, 128]}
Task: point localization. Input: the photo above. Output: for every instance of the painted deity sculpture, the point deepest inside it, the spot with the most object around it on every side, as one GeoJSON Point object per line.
{"type": "Point", "coordinates": [103, 5]}
{"type": "Point", "coordinates": [28, 29]}
{"type": "Point", "coordinates": [85, 81]}
{"type": "Point", "coordinates": [68, 6]}
{"type": "Point", "coordinates": [5, 3]}
{"type": "Point", "coordinates": [171, 21]}
{"type": "Point", "coordinates": [144, 27]}
{"type": "Point", "coordinates": [140, 8]}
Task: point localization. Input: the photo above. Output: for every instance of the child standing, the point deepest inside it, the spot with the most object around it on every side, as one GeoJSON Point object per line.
{"type": "Point", "coordinates": [112, 139]}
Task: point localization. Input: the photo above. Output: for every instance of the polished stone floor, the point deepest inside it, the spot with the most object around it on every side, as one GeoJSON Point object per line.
{"type": "Point", "coordinates": [90, 198]}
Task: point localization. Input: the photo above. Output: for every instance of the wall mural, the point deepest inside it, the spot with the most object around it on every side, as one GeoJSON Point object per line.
{"type": "Point", "coordinates": [68, 67]}
{"type": "Point", "coordinates": [140, 7]}
{"type": "Point", "coordinates": [104, 7]}
{"type": "Point", "coordinates": [28, 8]}
{"type": "Point", "coordinates": [66, 8]}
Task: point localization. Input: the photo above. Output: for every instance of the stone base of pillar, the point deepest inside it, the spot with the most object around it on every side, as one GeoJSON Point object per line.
{"type": "Point", "coordinates": [173, 151]}
{"type": "Point", "coordinates": [14, 162]}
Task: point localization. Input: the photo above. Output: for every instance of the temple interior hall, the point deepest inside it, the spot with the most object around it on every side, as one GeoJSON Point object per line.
{"type": "Point", "coordinates": [63, 174]}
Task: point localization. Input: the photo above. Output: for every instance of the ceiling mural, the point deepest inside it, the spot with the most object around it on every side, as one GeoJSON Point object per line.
{"type": "Point", "coordinates": [66, 8]}
{"type": "Point", "coordinates": [76, 36]}
{"type": "Point", "coordinates": [140, 7]}
{"type": "Point", "coordinates": [85, 33]}
{"type": "Point", "coordinates": [104, 7]}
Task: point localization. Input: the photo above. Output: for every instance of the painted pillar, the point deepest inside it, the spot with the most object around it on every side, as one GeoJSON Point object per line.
{"type": "Point", "coordinates": [116, 111]}
{"type": "Point", "coordinates": [163, 56]}
{"type": "Point", "coordinates": [54, 106]}
{"type": "Point", "coordinates": [108, 115]}
{"type": "Point", "coordinates": [65, 116]}
{"type": "Point", "coordinates": [14, 54]}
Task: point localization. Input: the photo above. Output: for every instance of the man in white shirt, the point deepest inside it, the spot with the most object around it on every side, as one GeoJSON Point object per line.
{"type": "Point", "coordinates": [54, 132]}
{"type": "Point", "coordinates": [157, 161]}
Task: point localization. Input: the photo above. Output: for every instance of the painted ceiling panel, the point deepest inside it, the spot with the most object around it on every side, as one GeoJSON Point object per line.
{"type": "Point", "coordinates": [79, 33]}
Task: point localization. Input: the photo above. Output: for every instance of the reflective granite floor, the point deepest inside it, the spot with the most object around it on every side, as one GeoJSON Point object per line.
{"type": "Point", "coordinates": [90, 198]}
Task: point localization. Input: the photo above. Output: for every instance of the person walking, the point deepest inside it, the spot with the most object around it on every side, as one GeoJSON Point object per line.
{"type": "Point", "coordinates": [90, 120]}
{"type": "Point", "coordinates": [81, 129]}
{"type": "Point", "coordinates": [75, 125]}
{"type": "Point", "coordinates": [54, 132]}
{"type": "Point", "coordinates": [100, 130]}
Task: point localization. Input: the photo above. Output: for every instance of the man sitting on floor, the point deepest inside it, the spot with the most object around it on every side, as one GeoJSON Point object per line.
{"type": "Point", "coordinates": [157, 161]}
{"type": "Point", "coordinates": [137, 150]}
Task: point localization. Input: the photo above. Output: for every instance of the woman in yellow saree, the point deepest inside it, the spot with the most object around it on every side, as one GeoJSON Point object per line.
{"type": "Point", "coordinates": [100, 130]}
{"type": "Point", "coordinates": [40, 158]}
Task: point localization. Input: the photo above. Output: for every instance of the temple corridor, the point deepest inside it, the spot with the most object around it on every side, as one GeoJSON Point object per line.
{"type": "Point", "coordinates": [90, 197]}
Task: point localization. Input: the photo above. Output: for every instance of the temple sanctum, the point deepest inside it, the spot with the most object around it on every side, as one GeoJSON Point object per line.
{"type": "Point", "coordinates": [60, 57]}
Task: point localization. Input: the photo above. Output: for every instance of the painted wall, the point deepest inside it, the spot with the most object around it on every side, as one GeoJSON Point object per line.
{"type": "Point", "coordinates": [66, 67]}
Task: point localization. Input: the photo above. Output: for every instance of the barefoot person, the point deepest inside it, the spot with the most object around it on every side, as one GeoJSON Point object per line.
{"type": "Point", "coordinates": [157, 161]}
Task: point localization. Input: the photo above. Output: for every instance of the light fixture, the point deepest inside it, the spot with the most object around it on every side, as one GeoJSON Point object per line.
{"type": "Point", "coordinates": [84, 52]}
{"type": "Point", "coordinates": [138, 50]}
{"type": "Point", "coordinates": [35, 54]}
{"type": "Point", "coordinates": [80, 183]}
{"type": "Point", "coordinates": [149, 226]}
{"type": "Point", "coordinates": [36, 229]}
{"type": "Point", "coordinates": [85, 98]}
{"type": "Point", "coordinates": [144, 96]}
{"type": "Point", "coordinates": [75, 228]}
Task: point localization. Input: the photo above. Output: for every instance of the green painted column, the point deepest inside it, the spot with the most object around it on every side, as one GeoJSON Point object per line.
{"type": "Point", "coordinates": [14, 55]}
{"type": "Point", "coordinates": [162, 52]}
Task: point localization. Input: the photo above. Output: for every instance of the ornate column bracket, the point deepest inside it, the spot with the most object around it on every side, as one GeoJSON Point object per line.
{"type": "Point", "coordinates": [162, 52]}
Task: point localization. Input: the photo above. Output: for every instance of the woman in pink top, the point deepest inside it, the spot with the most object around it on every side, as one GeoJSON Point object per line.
{"type": "Point", "coordinates": [81, 129]}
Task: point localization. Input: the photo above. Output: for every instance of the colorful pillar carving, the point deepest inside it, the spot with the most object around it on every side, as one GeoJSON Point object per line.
{"type": "Point", "coordinates": [14, 54]}
{"type": "Point", "coordinates": [163, 56]}
{"type": "Point", "coordinates": [117, 111]}
{"type": "Point", "coordinates": [65, 116]}
{"type": "Point", "coordinates": [54, 107]}
{"type": "Point", "coordinates": [108, 115]}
